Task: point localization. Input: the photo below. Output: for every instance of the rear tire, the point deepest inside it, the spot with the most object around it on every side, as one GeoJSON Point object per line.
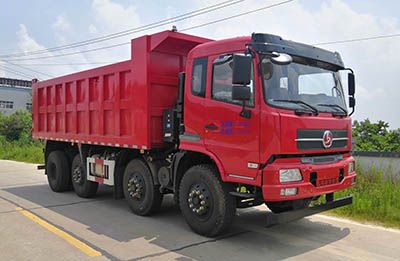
{"type": "Point", "coordinates": [143, 196]}
{"type": "Point", "coordinates": [205, 202]}
{"type": "Point", "coordinates": [58, 172]}
{"type": "Point", "coordinates": [83, 188]}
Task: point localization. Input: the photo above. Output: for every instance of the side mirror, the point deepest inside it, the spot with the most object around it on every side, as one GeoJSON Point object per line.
{"type": "Point", "coordinates": [241, 93]}
{"type": "Point", "coordinates": [352, 102]}
{"type": "Point", "coordinates": [281, 58]}
{"type": "Point", "coordinates": [352, 84]}
{"type": "Point", "coordinates": [241, 69]}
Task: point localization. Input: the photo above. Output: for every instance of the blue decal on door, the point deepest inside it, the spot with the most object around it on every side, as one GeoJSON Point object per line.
{"type": "Point", "coordinates": [235, 128]}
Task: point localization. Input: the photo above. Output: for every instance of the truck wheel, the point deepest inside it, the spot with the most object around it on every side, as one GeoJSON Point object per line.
{"type": "Point", "coordinates": [142, 195]}
{"type": "Point", "coordinates": [83, 188]}
{"type": "Point", "coordinates": [57, 169]}
{"type": "Point", "coordinates": [284, 206]}
{"type": "Point", "coordinates": [205, 202]}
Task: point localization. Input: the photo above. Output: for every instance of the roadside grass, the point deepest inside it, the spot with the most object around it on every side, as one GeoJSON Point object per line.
{"type": "Point", "coordinates": [30, 152]}
{"type": "Point", "coordinates": [376, 198]}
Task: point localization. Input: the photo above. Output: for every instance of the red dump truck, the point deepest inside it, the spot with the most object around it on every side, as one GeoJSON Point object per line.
{"type": "Point", "coordinates": [219, 124]}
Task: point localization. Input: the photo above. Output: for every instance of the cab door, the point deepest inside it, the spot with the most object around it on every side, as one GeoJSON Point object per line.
{"type": "Point", "coordinates": [231, 137]}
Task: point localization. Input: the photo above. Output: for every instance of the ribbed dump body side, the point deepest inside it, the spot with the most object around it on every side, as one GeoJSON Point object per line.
{"type": "Point", "coordinates": [119, 104]}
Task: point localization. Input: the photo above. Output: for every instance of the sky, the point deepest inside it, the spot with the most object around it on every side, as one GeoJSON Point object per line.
{"type": "Point", "coordinates": [27, 26]}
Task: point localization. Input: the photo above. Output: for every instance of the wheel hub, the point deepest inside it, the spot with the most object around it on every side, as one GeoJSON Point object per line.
{"type": "Point", "coordinates": [136, 187]}
{"type": "Point", "coordinates": [199, 200]}
{"type": "Point", "coordinates": [77, 175]}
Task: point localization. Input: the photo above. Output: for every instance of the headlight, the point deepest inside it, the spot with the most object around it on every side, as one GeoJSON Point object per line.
{"type": "Point", "coordinates": [351, 167]}
{"type": "Point", "coordinates": [289, 175]}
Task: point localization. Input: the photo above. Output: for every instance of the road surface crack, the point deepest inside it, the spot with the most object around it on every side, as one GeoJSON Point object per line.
{"type": "Point", "coordinates": [192, 245]}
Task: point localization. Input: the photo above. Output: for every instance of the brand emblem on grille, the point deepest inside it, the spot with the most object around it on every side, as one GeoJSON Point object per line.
{"type": "Point", "coordinates": [327, 139]}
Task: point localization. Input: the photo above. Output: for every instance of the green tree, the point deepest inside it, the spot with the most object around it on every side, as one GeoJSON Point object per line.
{"type": "Point", "coordinates": [371, 136]}
{"type": "Point", "coordinates": [393, 141]}
{"type": "Point", "coordinates": [16, 126]}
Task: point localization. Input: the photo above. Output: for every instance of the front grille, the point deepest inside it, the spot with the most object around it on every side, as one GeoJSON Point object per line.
{"type": "Point", "coordinates": [312, 139]}
{"type": "Point", "coordinates": [321, 159]}
{"type": "Point", "coordinates": [319, 181]}
{"type": "Point", "coordinates": [326, 182]}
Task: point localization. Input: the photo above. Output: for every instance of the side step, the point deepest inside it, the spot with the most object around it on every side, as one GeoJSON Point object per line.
{"type": "Point", "coordinates": [275, 219]}
{"type": "Point", "coordinates": [242, 195]}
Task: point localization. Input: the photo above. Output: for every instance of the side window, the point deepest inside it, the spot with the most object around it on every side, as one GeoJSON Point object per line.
{"type": "Point", "coordinates": [222, 84]}
{"type": "Point", "coordinates": [199, 75]}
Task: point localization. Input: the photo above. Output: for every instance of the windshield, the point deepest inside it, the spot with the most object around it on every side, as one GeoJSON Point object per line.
{"type": "Point", "coordinates": [300, 86]}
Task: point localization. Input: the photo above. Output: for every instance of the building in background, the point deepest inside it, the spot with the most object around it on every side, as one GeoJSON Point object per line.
{"type": "Point", "coordinates": [15, 95]}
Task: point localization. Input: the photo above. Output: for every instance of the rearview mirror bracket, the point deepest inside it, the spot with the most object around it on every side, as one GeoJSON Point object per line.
{"type": "Point", "coordinates": [245, 113]}
{"type": "Point", "coordinates": [242, 93]}
{"type": "Point", "coordinates": [352, 89]}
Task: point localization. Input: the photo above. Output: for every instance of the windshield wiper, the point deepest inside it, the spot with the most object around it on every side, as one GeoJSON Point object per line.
{"type": "Point", "coordinates": [315, 110]}
{"type": "Point", "coordinates": [334, 106]}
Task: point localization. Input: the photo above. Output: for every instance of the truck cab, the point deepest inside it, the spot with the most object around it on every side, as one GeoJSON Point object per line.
{"type": "Point", "coordinates": [290, 137]}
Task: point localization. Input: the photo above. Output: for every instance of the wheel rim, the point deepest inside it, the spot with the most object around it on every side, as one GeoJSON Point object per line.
{"type": "Point", "coordinates": [136, 187]}
{"type": "Point", "coordinates": [77, 175]}
{"type": "Point", "coordinates": [200, 201]}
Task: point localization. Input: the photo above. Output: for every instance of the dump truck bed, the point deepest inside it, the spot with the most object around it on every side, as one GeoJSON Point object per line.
{"type": "Point", "coordinates": [115, 105]}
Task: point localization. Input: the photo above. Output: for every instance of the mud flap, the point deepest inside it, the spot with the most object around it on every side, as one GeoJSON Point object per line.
{"type": "Point", "coordinates": [275, 219]}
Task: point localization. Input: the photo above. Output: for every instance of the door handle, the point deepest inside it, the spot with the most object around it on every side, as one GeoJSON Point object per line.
{"type": "Point", "coordinates": [211, 126]}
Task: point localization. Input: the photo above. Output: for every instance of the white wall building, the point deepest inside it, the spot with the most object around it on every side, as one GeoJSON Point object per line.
{"type": "Point", "coordinates": [15, 95]}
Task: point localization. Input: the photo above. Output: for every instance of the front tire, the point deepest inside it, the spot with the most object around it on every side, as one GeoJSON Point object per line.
{"type": "Point", "coordinates": [58, 173]}
{"type": "Point", "coordinates": [83, 188]}
{"type": "Point", "coordinates": [143, 196]}
{"type": "Point", "coordinates": [205, 202]}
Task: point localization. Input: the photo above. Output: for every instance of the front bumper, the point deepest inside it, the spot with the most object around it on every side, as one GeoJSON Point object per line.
{"type": "Point", "coordinates": [327, 181]}
{"type": "Point", "coordinates": [289, 216]}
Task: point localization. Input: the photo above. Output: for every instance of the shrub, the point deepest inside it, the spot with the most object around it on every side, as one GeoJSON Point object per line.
{"type": "Point", "coordinates": [16, 126]}
{"type": "Point", "coordinates": [15, 138]}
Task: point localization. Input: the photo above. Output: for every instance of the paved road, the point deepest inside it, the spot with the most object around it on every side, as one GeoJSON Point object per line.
{"type": "Point", "coordinates": [107, 226]}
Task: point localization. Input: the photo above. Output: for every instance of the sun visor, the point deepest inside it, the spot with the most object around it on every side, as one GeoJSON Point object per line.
{"type": "Point", "coordinates": [268, 43]}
